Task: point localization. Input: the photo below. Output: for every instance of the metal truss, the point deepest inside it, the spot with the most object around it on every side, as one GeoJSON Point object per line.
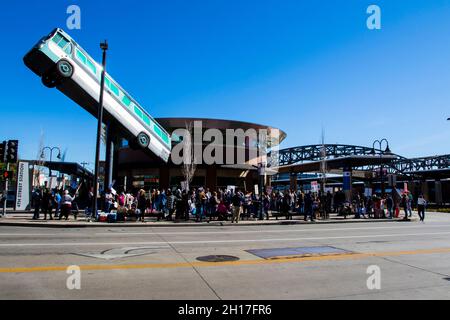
{"type": "Point", "coordinates": [401, 165]}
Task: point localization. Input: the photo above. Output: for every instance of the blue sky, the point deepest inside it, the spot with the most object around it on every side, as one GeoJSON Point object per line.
{"type": "Point", "coordinates": [298, 65]}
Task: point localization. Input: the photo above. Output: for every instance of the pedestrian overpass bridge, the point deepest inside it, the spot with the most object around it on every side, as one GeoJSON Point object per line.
{"type": "Point", "coordinates": [429, 175]}
{"type": "Point", "coordinates": [311, 158]}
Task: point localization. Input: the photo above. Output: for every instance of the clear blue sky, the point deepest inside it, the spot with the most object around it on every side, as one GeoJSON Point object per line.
{"type": "Point", "coordinates": [298, 65]}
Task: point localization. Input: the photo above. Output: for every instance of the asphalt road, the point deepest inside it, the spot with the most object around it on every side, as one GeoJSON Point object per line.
{"type": "Point", "coordinates": [161, 263]}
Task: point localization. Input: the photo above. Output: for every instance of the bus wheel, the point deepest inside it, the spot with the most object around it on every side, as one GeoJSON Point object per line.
{"type": "Point", "coordinates": [49, 80]}
{"type": "Point", "coordinates": [143, 140]}
{"type": "Point", "coordinates": [64, 68]}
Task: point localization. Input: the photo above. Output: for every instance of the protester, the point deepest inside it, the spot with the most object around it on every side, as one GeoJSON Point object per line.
{"type": "Point", "coordinates": [141, 204]}
{"type": "Point", "coordinates": [308, 207]}
{"type": "Point", "coordinates": [390, 206]}
{"type": "Point", "coordinates": [404, 204]}
{"type": "Point", "coordinates": [37, 200]}
{"type": "Point", "coordinates": [89, 210]}
{"type": "Point", "coordinates": [47, 204]}
{"type": "Point", "coordinates": [410, 203]}
{"type": "Point", "coordinates": [57, 203]}
{"type": "Point", "coordinates": [170, 205]}
{"type": "Point", "coordinates": [237, 203]}
{"type": "Point", "coordinates": [109, 201]}
{"type": "Point", "coordinates": [421, 204]}
{"type": "Point", "coordinates": [66, 208]}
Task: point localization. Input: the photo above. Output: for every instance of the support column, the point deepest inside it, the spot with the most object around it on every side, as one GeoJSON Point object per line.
{"type": "Point", "coordinates": [109, 157]}
{"type": "Point", "coordinates": [424, 188]}
{"type": "Point", "coordinates": [347, 183]}
{"type": "Point", "coordinates": [293, 181]}
{"type": "Point", "coordinates": [211, 177]}
{"type": "Point", "coordinates": [438, 192]}
{"type": "Point", "coordinates": [128, 180]}
{"type": "Point", "coordinates": [164, 177]}
{"type": "Point", "coordinates": [249, 185]}
{"type": "Point", "coordinates": [268, 181]}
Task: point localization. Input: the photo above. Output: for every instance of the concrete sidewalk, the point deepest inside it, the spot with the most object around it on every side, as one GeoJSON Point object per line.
{"type": "Point", "coordinates": [25, 220]}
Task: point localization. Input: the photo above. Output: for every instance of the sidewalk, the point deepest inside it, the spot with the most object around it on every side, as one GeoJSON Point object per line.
{"type": "Point", "coordinates": [25, 220]}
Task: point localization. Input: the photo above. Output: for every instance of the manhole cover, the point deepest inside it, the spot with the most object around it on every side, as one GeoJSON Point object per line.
{"type": "Point", "coordinates": [217, 258]}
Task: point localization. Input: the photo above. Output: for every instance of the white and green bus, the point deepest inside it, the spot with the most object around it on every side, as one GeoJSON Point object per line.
{"type": "Point", "coordinates": [63, 64]}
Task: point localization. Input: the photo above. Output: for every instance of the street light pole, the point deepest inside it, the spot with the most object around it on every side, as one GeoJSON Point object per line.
{"type": "Point", "coordinates": [104, 47]}
{"type": "Point", "coordinates": [261, 172]}
{"type": "Point", "coordinates": [387, 151]}
{"type": "Point", "coordinates": [51, 155]}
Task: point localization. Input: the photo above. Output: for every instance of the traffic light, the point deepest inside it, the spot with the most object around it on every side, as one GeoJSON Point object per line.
{"type": "Point", "coordinates": [7, 175]}
{"type": "Point", "coordinates": [2, 151]}
{"type": "Point", "coordinates": [11, 153]}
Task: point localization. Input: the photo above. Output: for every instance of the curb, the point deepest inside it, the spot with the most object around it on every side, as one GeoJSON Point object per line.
{"type": "Point", "coordinates": [192, 224]}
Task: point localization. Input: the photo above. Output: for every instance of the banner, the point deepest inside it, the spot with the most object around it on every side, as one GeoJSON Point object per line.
{"type": "Point", "coordinates": [347, 181]}
{"type": "Point", "coordinates": [23, 186]}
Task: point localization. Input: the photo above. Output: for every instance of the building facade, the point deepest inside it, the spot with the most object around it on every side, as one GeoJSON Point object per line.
{"type": "Point", "coordinates": [135, 169]}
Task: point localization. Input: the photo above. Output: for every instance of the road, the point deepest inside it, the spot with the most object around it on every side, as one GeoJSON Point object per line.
{"type": "Point", "coordinates": [161, 262]}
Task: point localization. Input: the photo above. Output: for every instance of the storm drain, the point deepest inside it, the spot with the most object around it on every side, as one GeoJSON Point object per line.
{"type": "Point", "coordinates": [217, 258]}
{"type": "Point", "coordinates": [298, 252]}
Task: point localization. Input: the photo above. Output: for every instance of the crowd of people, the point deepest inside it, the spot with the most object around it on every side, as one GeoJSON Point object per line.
{"type": "Point", "coordinates": [386, 206]}
{"type": "Point", "coordinates": [57, 202]}
{"type": "Point", "coordinates": [202, 204]}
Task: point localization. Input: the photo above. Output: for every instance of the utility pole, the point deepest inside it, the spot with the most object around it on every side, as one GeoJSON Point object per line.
{"type": "Point", "coordinates": [104, 47]}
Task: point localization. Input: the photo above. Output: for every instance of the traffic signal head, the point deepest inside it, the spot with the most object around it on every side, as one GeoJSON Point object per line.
{"type": "Point", "coordinates": [7, 175]}
{"type": "Point", "coordinates": [2, 151]}
{"type": "Point", "coordinates": [11, 153]}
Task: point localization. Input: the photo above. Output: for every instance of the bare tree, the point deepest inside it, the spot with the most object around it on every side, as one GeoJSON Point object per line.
{"type": "Point", "coordinates": [38, 167]}
{"type": "Point", "coordinates": [189, 163]}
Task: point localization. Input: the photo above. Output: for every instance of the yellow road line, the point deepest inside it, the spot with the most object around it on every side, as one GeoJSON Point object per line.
{"type": "Point", "coordinates": [285, 259]}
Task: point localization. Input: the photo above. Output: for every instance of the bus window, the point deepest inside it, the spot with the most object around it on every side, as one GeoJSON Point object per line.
{"type": "Point", "coordinates": [157, 130]}
{"type": "Point", "coordinates": [81, 56]}
{"type": "Point", "coordinates": [113, 88]}
{"type": "Point", "coordinates": [165, 137]}
{"type": "Point", "coordinates": [63, 42]}
{"type": "Point", "coordinates": [68, 49]}
{"type": "Point", "coordinates": [146, 119]}
{"type": "Point", "coordinates": [138, 111]}
{"type": "Point", "coordinates": [126, 101]}
{"type": "Point", "coordinates": [57, 38]}
{"type": "Point", "coordinates": [91, 66]}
